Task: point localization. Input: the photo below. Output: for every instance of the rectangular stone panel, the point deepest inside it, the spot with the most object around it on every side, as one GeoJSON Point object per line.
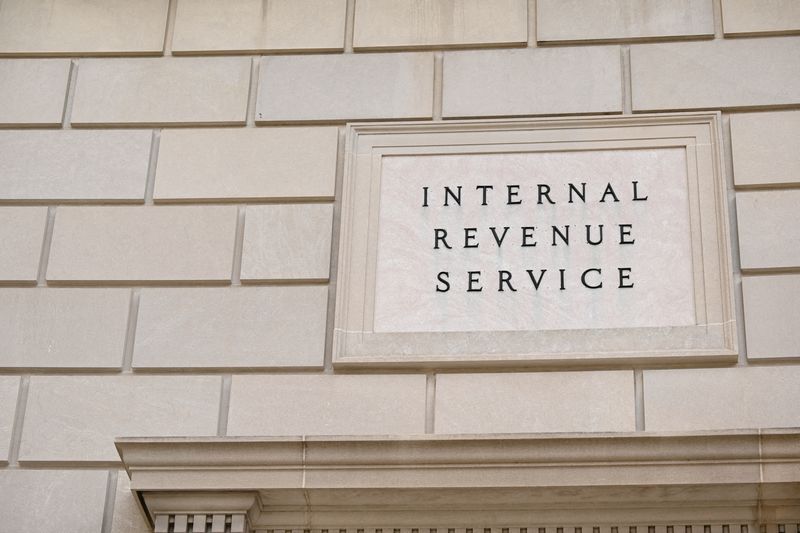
{"type": "Point", "coordinates": [769, 229]}
{"type": "Point", "coordinates": [33, 91]}
{"type": "Point", "coordinates": [696, 399]}
{"type": "Point", "coordinates": [742, 17]}
{"type": "Point", "coordinates": [423, 23]}
{"type": "Point", "coordinates": [127, 244]}
{"type": "Point", "coordinates": [345, 87]}
{"type": "Point", "coordinates": [63, 328]}
{"type": "Point", "coordinates": [248, 163]}
{"type": "Point", "coordinates": [168, 90]}
{"type": "Point", "coordinates": [575, 20]}
{"type": "Point", "coordinates": [477, 241]}
{"type": "Point", "coordinates": [772, 316]}
{"type": "Point", "coordinates": [716, 74]}
{"type": "Point", "coordinates": [287, 242]}
{"type": "Point", "coordinates": [532, 82]}
{"type": "Point", "coordinates": [765, 148]}
{"type": "Point", "coordinates": [252, 327]}
{"type": "Point", "coordinates": [77, 418]}
{"type": "Point", "coordinates": [52, 501]}
{"type": "Point", "coordinates": [74, 165]}
{"type": "Point", "coordinates": [9, 388]}
{"type": "Point", "coordinates": [327, 405]}
{"type": "Point", "coordinates": [82, 27]}
{"type": "Point", "coordinates": [535, 402]}
{"type": "Point", "coordinates": [21, 235]}
{"type": "Point", "coordinates": [259, 25]}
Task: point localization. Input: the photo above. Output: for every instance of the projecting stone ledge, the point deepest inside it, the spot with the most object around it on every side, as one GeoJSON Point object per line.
{"type": "Point", "coordinates": [734, 480]}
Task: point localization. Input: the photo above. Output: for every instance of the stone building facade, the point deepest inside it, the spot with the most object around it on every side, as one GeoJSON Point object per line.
{"type": "Point", "coordinates": [174, 181]}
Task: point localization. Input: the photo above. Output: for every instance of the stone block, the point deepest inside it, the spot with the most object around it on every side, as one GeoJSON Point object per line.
{"type": "Point", "coordinates": [574, 20]}
{"type": "Point", "coordinates": [769, 229]}
{"type": "Point", "coordinates": [74, 164]}
{"type": "Point", "coordinates": [9, 389]}
{"type": "Point", "coordinates": [33, 91]}
{"type": "Point", "coordinates": [127, 516]}
{"type": "Point", "coordinates": [127, 244]}
{"type": "Point", "coordinates": [532, 81]}
{"type": "Point", "coordinates": [253, 327]}
{"type": "Point", "coordinates": [263, 163]}
{"type": "Point", "coordinates": [63, 328]}
{"type": "Point", "coordinates": [21, 234]}
{"type": "Point", "coordinates": [52, 501]}
{"type": "Point", "coordinates": [772, 316]}
{"type": "Point", "coordinates": [77, 418]}
{"type": "Point", "coordinates": [765, 148]}
{"type": "Point", "coordinates": [716, 74]}
{"type": "Point", "coordinates": [259, 25]}
{"type": "Point", "coordinates": [742, 17]}
{"type": "Point", "coordinates": [287, 242]}
{"type": "Point", "coordinates": [327, 405]}
{"type": "Point", "coordinates": [535, 402]}
{"type": "Point", "coordinates": [695, 399]}
{"type": "Point", "coordinates": [168, 91]}
{"type": "Point", "coordinates": [431, 23]}
{"type": "Point", "coordinates": [82, 27]}
{"type": "Point", "coordinates": [345, 87]}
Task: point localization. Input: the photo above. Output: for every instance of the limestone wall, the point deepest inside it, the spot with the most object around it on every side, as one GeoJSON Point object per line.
{"type": "Point", "coordinates": [169, 212]}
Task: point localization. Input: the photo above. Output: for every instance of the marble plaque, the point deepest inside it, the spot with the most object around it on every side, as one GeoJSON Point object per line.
{"type": "Point", "coordinates": [537, 241]}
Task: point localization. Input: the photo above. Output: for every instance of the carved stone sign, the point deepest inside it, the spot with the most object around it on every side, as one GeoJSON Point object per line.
{"type": "Point", "coordinates": [532, 241]}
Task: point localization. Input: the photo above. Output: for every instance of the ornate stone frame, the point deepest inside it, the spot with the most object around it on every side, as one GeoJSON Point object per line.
{"type": "Point", "coordinates": [711, 339]}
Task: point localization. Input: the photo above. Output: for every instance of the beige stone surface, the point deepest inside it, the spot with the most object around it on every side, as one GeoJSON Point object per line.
{"type": "Point", "coordinates": [74, 164]}
{"type": "Point", "coordinates": [52, 501]}
{"type": "Point", "coordinates": [290, 241]}
{"type": "Point", "coordinates": [535, 402]}
{"type": "Point", "coordinates": [760, 16]}
{"type": "Point", "coordinates": [416, 23]}
{"type": "Point", "coordinates": [185, 90]}
{"type": "Point", "coordinates": [345, 87]}
{"type": "Point", "coordinates": [722, 73]}
{"type": "Point", "coordinates": [259, 25]}
{"type": "Point", "coordinates": [82, 26]}
{"type": "Point", "coordinates": [128, 518]}
{"type": "Point", "coordinates": [576, 20]}
{"type": "Point", "coordinates": [695, 399]}
{"type": "Point", "coordinates": [77, 418]}
{"type": "Point", "coordinates": [63, 328]}
{"type": "Point", "coordinates": [765, 147]}
{"type": "Point", "coordinates": [121, 243]}
{"type": "Point", "coordinates": [532, 81]}
{"type": "Point", "coordinates": [231, 327]}
{"type": "Point", "coordinates": [21, 235]}
{"type": "Point", "coordinates": [327, 405]}
{"type": "Point", "coordinates": [772, 316]}
{"type": "Point", "coordinates": [33, 90]}
{"type": "Point", "coordinates": [263, 163]}
{"type": "Point", "coordinates": [769, 229]}
{"type": "Point", "coordinates": [9, 388]}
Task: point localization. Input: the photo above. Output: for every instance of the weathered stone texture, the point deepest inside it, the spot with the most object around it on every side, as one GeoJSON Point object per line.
{"type": "Point", "coordinates": [63, 327]}
{"type": "Point", "coordinates": [252, 327]}
{"type": "Point", "coordinates": [21, 234]}
{"type": "Point", "coordinates": [420, 23]}
{"type": "Point", "coordinates": [772, 316]}
{"type": "Point", "coordinates": [143, 243]}
{"type": "Point", "coordinates": [9, 389]}
{"type": "Point", "coordinates": [247, 163]}
{"type": "Point", "coordinates": [535, 402]}
{"type": "Point", "coordinates": [287, 242]}
{"type": "Point", "coordinates": [765, 148]}
{"type": "Point", "coordinates": [769, 229]}
{"type": "Point", "coordinates": [74, 165]}
{"type": "Point", "coordinates": [127, 516]}
{"type": "Point", "coordinates": [532, 82]}
{"type": "Point", "coordinates": [327, 405]}
{"type": "Point", "coordinates": [575, 20]}
{"type": "Point", "coordinates": [259, 25]}
{"type": "Point", "coordinates": [32, 91]}
{"type": "Point", "coordinates": [760, 16]}
{"type": "Point", "coordinates": [183, 90]}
